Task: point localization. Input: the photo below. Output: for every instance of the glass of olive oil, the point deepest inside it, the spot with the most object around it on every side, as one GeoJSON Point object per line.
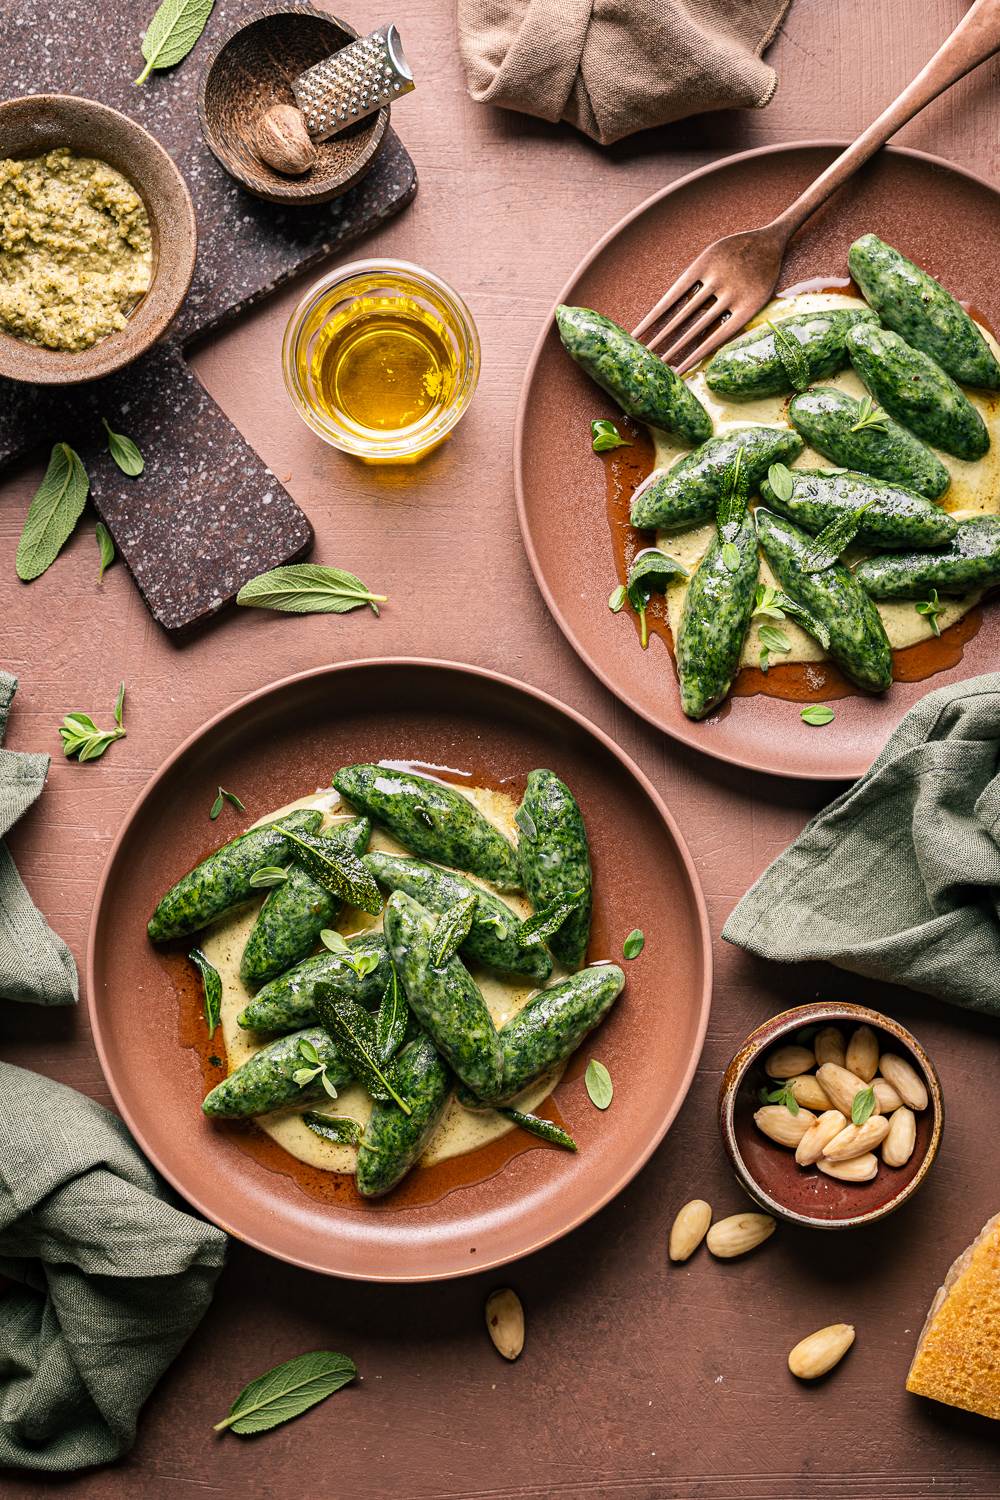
{"type": "Point", "coordinates": [381, 359]}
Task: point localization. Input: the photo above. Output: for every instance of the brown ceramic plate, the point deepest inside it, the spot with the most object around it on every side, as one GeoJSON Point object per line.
{"type": "Point", "coordinates": [941, 216]}
{"type": "Point", "coordinates": [480, 1210]}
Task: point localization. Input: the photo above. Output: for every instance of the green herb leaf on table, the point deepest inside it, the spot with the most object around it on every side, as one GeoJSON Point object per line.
{"type": "Point", "coordinates": [792, 357]}
{"type": "Point", "coordinates": [124, 452]}
{"type": "Point", "coordinates": [337, 869]}
{"type": "Point", "coordinates": [105, 547]}
{"type": "Point", "coordinates": [173, 31]}
{"type": "Point", "coordinates": [392, 1020]}
{"type": "Point", "coordinates": [634, 943]}
{"type": "Point", "coordinates": [335, 941]}
{"type": "Point", "coordinates": [870, 416]}
{"type": "Point", "coordinates": [211, 984]}
{"type": "Point", "coordinates": [546, 1130]}
{"type": "Point", "coordinates": [599, 1085]}
{"type": "Point", "coordinates": [81, 737]}
{"type": "Point", "coordinates": [354, 1029]}
{"type": "Point", "coordinates": [120, 705]}
{"type": "Point", "coordinates": [546, 920]}
{"type": "Point", "coordinates": [782, 1094]}
{"type": "Point", "coordinates": [652, 572]}
{"type": "Point", "coordinates": [863, 1105]}
{"type": "Point", "coordinates": [817, 714]}
{"type": "Point", "coordinates": [827, 546]}
{"type": "Point", "coordinates": [525, 823]}
{"type": "Point", "coordinates": [338, 1128]}
{"type": "Point", "coordinates": [308, 589]}
{"type": "Point", "coordinates": [779, 477]}
{"type": "Point", "coordinates": [605, 436]}
{"type": "Point", "coordinates": [616, 600]}
{"type": "Point", "coordinates": [222, 797]}
{"type": "Point", "coordinates": [270, 875]}
{"type": "Point", "coordinates": [53, 513]}
{"type": "Point", "coordinates": [931, 608]}
{"type": "Point", "coordinates": [287, 1391]}
{"type": "Point", "coordinates": [452, 929]}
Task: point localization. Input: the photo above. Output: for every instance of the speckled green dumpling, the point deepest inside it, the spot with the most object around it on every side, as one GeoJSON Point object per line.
{"type": "Point", "coordinates": [555, 860]}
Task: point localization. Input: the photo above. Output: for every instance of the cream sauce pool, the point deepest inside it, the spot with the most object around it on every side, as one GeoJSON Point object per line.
{"type": "Point", "coordinates": [461, 1129]}
{"type": "Point", "coordinates": [974, 490]}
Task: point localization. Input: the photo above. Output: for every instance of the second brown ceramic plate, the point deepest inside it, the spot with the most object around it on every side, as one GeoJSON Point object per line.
{"type": "Point", "coordinates": [491, 1206]}
{"type": "Point", "coordinates": [940, 216]}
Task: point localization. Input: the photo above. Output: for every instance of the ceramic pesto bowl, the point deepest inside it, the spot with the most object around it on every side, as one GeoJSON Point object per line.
{"type": "Point", "coordinates": [36, 124]}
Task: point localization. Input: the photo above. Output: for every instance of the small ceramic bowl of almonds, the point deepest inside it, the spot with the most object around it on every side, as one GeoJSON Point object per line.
{"type": "Point", "coordinates": [831, 1114]}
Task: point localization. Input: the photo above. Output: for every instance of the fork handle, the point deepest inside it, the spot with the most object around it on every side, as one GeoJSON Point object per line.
{"type": "Point", "coordinates": [974, 39]}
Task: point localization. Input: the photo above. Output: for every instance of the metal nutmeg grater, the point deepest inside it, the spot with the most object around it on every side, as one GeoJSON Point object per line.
{"type": "Point", "coordinates": [356, 81]}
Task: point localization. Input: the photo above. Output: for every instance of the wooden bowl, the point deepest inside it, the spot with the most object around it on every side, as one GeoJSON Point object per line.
{"type": "Point", "coordinates": [253, 68]}
{"type": "Point", "coordinates": [33, 125]}
{"type": "Point", "coordinates": [769, 1172]}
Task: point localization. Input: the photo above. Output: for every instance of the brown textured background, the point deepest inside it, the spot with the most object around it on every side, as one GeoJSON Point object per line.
{"type": "Point", "coordinates": [637, 1379]}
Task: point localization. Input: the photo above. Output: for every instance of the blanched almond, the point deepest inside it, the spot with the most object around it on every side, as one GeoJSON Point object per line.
{"type": "Point", "coordinates": [904, 1078]}
{"type": "Point", "coordinates": [738, 1234]}
{"type": "Point", "coordinates": [779, 1124]}
{"type": "Point", "coordinates": [808, 1091]}
{"type": "Point", "coordinates": [829, 1046]}
{"type": "Point", "coordinates": [840, 1086]}
{"type": "Point", "coordinates": [862, 1053]}
{"type": "Point", "coordinates": [815, 1355]}
{"type": "Point", "coordinates": [813, 1143]}
{"type": "Point", "coordinates": [689, 1229]}
{"type": "Point", "coordinates": [855, 1140]}
{"type": "Point", "coordinates": [886, 1097]}
{"type": "Point", "coordinates": [785, 1062]}
{"type": "Point", "coordinates": [897, 1148]}
{"type": "Point", "coordinates": [856, 1169]}
{"type": "Point", "coordinates": [505, 1321]}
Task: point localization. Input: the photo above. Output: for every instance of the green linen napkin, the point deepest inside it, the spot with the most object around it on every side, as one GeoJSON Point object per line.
{"type": "Point", "coordinates": [112, 1277]}
{"type": "Point", "coordinates": [35, 963]}
{"type": "Point", "coordinates": [899, 878]}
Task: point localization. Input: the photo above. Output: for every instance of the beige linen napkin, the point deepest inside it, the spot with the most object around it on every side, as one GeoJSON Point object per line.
{"type": "Point", "coordinates": [612, 67]}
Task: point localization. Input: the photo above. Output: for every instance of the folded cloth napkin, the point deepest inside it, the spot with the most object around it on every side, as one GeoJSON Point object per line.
{"type": "Point", "coordinates": [35, 964]}
{"type": "Point", "coordinates": [611, 67]}
{"type": "Point", "coordinates": [899, 878]}
{"type": "Point", "coordinates": [113, 1278]}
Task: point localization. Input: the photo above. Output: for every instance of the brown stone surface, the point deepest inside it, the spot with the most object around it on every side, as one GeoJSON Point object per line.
{"type": "Point", "coordinates": [638, 1379]}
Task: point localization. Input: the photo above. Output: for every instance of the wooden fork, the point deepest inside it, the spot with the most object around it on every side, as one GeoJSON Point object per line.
{"type": "Point", "coordinates": [733, 278]}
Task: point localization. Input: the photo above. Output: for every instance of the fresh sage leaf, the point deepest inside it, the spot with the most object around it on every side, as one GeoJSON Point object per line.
{"type": "Point", "coordinates": [120, 705]}
{"type": "Point", "coordinates": [525, 823]}
{"type": "Point", "coordinates": [782, 1094]}
{"type": "Point", "coordinates": [392, 1020]}
{"type": "Point", "coordinates": [337, 1128]}
{"type": "Point", "coordinates": [774, 639]}
{"type": "Point", "coordinates": [825, 549]}
{"type": "Point", "coordinates": [354, 1028]}
{"type": "Point", "coordinates": [211, 984]}
{"type": "Point", "coordinates": [105, 547]}
{"type": "Point", "coordinates": [634, 943]}
{"type": "Point", "coordinates": [173, 31]}
{"type": "Point", "coordinates": [270, 875]}
{"type": "Point", "coordinates": [308, 589]}
{"type": "Point", "coordinates": [931, 608]}
{"type": "Point", "coordinates": [779, 477]}
{"type": "Point", "coordinates": [547, 920]}
{"type": "Point", "coordinates": [335, 941]}
{"type": "Point", "coordinates": [616, 600]}
{"type": "Point", "coordinates": [546, 1130]}
{"type": "Point", "coordinates": [808, 621]}
{"type": "Point", "coordinates": [124, 452]}
{"type": "Point", "coordinates": [81, 737]}
{"type": "Point", "coordinates": [452, 929]}
{"type": "Point", "coordinates": [652, 572]}
{"type": "Point", "coordinates": [730, 556]}
{"type": "Point", "coordinates": [599, 1085]}
{"type": "Point", "coordinates": [817, 714]}
{"type": "Point", "coordinates": [53, 513]}
{"type": "Point", "coordinates": [863, 1105]}
{"type": "Point", "coordinates": [792, 357]}
{"type": "Point", "coordinates": [732, 506]}
{"type": "Point", "coordinates": [605, 436]}
{"type": "Point", "coordinates": [870, 416]}
{"type": "Point", "coordinates": [337, 869]}
{"type": "Point", "coordinates": [287, 1391]}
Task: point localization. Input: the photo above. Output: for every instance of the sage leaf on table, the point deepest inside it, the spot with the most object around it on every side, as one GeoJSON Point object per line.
{"type": "Point", "coordinates": [826, 547]}
{"type": "Point", "coordinates": [452, 929]}
{"type": "Point", "coordinates": [634, 943]}
{"type": "Point", "coordinates": [270, 875]}
{"type": "Point", "coordinates": [599, 1085]}
{"type": "Point", "coordinates": [338, 1128]}
{"type": "Point", "coordinates": [308, 589]}
{"type": "Point", "coordinates": [124, 452]}
{"type": "Point", "coordinates": [287, 1391]}
{"type": "Point", "coordinates": [817, 714]}
{"type": "Point", "coordinates": [779, 477]}
{"type": "Point", "coordinates": [392, 1020]}
{"type": "Point", "coordinates": [546, 1130]}
{"type": "Point", "coordinates": [605, 436]}
{"type": "Point", "coordinates": [781, 1094]}
{"type": "Point", "coordinates": [351, 1025]}
{"type": "Point", "coordinates": [863, 1105]}
{"type": "Point", "coordinates": [81, 737]}
{"type": "Point", "coordinates": [547, 920]}
{"type": "Point", "coordinates": [211, 984]}
{"type": "Point", "coordinates": [173, 31]}
{"type": "Point", "coordinates": [337, 870]}
{"type": "Point", "coordinates": [792, 357]}
{"type": "Point", "coordinates": [105, 547]}
{"type": "Point", "coordinates": [53, 513]}
{"type": "Point", "coordinates": [222, 797]}
{"type": "Point", "coordinates": [930, 609]}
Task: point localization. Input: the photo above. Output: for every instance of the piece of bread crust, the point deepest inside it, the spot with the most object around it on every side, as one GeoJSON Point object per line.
{"type": "Point", "coordinates": [957, 1358]}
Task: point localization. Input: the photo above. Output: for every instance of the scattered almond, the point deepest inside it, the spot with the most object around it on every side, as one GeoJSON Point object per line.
{"type": "Point", "coordinates": [689, 1229]}
{"type": "Point", "coordinates": [856, 1169]}
{"type": "Point", "coordinates": [739, 1233]}
{"type": "Point", "coordinates": [898, 1145]}
{"type": "Point", "coordinates": [809, 1092]}
{"type": "Point", "coordinates": [905, 1080]}
{"type": "Point", "coordinates": [505, 1321]}
{"type": "Point", "coordinates": [813, 1143]}
{"type": "Point", "coordinates": [855, 1140]}
{"type": "Point", "coordinates": [862, 1053]}
{"type": "Point", "coordinates": [820, 1351]}
{"type": "Point", "coordinates": [829, 1045]}
{"type": "Point", "coordinates": [785, 1062]}
{"type": "Point", "coordinates": [886, 1098]}
{"type": "Point", "coordinates": [779, 1124]}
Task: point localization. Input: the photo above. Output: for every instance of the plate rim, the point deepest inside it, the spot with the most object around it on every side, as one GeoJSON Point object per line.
{"type": "Point", "coordinates": [540, 695]}
{"type": "Point", "coordinates": [682, 733]}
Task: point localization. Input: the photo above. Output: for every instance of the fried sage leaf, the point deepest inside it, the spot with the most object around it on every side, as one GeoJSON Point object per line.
{"type": "Point", "coordinates": [287, 1391]}
{"type": "Point", "coordinates": [392, 1020]}
{"type": "Point", "coordinates": [547, 920]}
{"type": "Point", "coordinates": [546, 1130]}
{"type": "Point", "coordinates": [337, 869]}
{"type": "Point", "coordinates": [211, 983]}
{"type": "Point", "coordinates": [338, 1128]}
{"type": "Point", "coordinates": [826, 548]}
{"type": "Point", "coordinates": [451, 930]}
{"type": "Point", "coordinates": [352, 1026]}
{"type": "Point", "coordinates": [53, 513]}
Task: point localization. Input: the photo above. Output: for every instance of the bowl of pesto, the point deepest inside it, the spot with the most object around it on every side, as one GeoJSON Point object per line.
{"type": "Point", "coordinates": [97, 240]}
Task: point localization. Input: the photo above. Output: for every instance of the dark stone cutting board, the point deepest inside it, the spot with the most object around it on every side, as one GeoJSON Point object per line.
{"type": "Point", "coordinates": [207, 514]}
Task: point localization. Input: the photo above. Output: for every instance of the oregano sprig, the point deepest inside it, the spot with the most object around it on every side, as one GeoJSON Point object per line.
{"type": "Point", "coordinates": [81, 737]}
{"type": "Point", "coordinates": [870, 417]}
{"type": "Point", "coordinates": [930, 609]}
{"type": "Point", "coordinates": [605, 437]}
{"type": "Point", "coordinates": [781, 1094]}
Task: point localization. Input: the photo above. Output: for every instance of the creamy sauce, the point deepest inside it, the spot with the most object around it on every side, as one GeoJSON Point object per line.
{"type": "Point", "coordinates": [461, 1130]}
{"type": "Point", "coordinates": [974, 490]}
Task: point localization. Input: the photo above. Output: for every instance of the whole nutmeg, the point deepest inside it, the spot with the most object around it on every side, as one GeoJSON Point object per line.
{"type": "Point", "coordinates": [280, 139]}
